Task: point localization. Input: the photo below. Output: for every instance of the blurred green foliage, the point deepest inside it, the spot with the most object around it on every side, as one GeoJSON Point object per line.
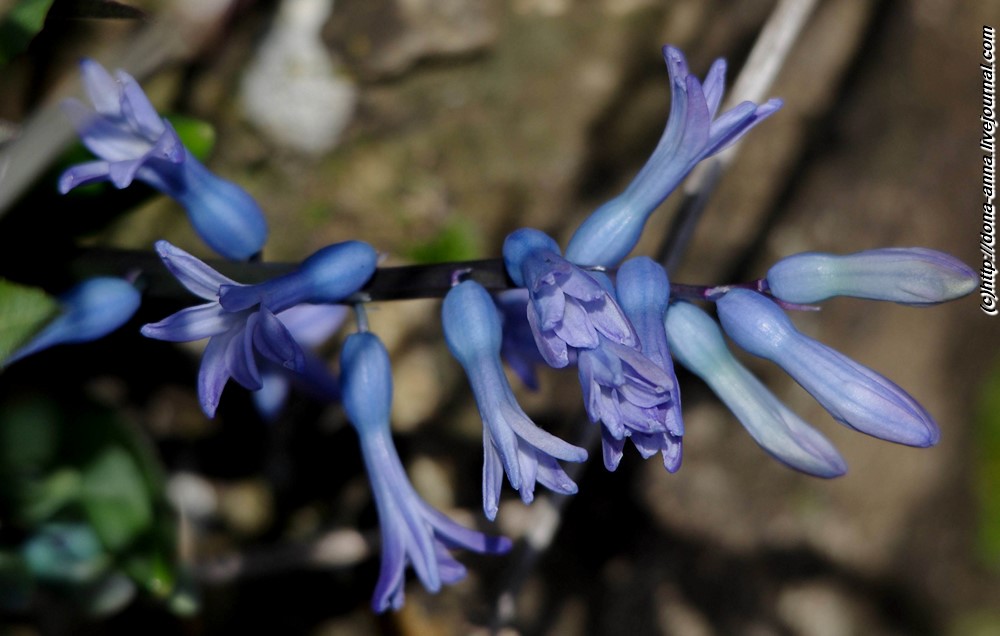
{"type": "Point", "coordinates": [86, 497]}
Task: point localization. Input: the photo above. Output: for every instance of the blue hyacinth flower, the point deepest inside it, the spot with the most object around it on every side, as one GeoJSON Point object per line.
{"type": "Point", "coordinates": [692, 133]}
{"type": "Point", "coordinates": [241, 321]}
{"type": "Point", "coordinates": [910, 276]}
{"type": "Point", "coordinates": [634, 390]}
{"type": "Point", "coordinates": [853, 394]}
{"type": "Point", "coordinates": [134, 142]}
{"type": "Point", "coordinates": [412, 532]}
{"type": "Point", "coordinates": [568, 308]}
{"type": "Point", "coordinates": [696, 342]}
{"type": "Point", "coordinates": [512, 443]}
{"type": "Point", "coordinates": [89, 311]}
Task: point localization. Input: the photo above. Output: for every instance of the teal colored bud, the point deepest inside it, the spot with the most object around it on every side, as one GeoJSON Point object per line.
{"type": "Point", "coordinates": [696, 342]}
{"type": "Point", "coordinates": [910, 276]}
{"type": "Point", "coordinates": [853, 394]}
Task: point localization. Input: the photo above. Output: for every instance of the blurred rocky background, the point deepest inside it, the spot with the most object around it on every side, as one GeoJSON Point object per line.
{"type": "Point", "coordinates": [433, 128]}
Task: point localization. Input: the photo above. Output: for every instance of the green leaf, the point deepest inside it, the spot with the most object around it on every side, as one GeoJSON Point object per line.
{"type": "Point", "coordinates": [23, 312]}
{"type": "Point", "coordinates": [116, 498]}
{"type": "Point", "coordinates": [20, 25]}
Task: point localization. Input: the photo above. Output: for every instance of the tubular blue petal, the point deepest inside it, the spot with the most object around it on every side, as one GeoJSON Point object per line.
{"type": "Point", "coordinates": [192, 323]}
{"type": "Point", "coordinates": [137, 109]}
{"type": "Point", "coordinates": [82, 174]}
{"type": "Point", "coordinates": [275, 342]}
{"type": "Point", "coordinates": [199, 279]}
{"type": "Point", "coordinates": [101, 88]}
{"type": "Point", "coordinates": [853, 394]}
{"type": "Point", "coordinates": [214, 372]}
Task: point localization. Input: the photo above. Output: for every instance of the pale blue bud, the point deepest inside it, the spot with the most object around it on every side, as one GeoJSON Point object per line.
{"type": "Point", "coordinates": [853, 394]}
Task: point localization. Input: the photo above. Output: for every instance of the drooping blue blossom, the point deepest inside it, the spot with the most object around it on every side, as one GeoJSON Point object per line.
{"type": "Point", "coordinates": [696, 342]}
{"type": "Point", "coordinates": [567, 307]}
{"type": "Point", "coordinates": [412, 532]}
{"type": "Point", "coordinates": [632, 389]}
{"type": "Point", "coordinates": [89, 311]}
{"type": "Point", "coordinates": [692, 134]}
{"type": "Point", "coordinates": [910, 276]}
{"type": "Point", "coordinates": [241, 321]}
{"type": "Point", "coordinates": [134, 142]}
{"type": "Point", "coordinates": [853, 394]}
{"type": "Point", "coordinates": [512, 443]}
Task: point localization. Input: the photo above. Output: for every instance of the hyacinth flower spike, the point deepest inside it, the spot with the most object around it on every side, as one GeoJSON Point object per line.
{"type": "Point", "coordinates": [241, 321]}
{"type": "Point", "coordinates": [910, 276]}
{"type": "Point", "coordinates": [134, 142]}
{"type": "Point", "coordinates": [853, 394]}
{"type": "Point", "coordinates": [412, 532]}
{"type": "Point", "coordinates": [692, 134]}
{"type": "Point", "coordinates": [90, 310]}
{"type": "Point", "coordinates": [512, 443]}
{"type": "Point", "coordinates": [696, 342]}
{"type": "Point", "coordinates": [567, 309]}
{"type": "Point", "coordinates": [633, 390]}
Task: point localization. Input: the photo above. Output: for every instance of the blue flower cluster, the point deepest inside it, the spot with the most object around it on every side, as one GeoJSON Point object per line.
{"type": "Point", "coordinates": [618, 321]}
